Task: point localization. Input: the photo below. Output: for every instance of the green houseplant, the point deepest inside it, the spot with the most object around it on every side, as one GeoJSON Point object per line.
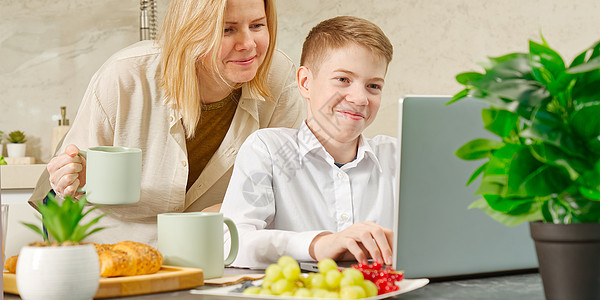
{"type": "Point", "coordinates": [16, 144]}
{"type": "Point", "coordinates": [65, 268]}
{"type": "Point", "coordinates": [17, 137]}
{"type": "Point", "coordinates": [62, 221]}
{"type": "Point", "coordinates": [545, 165]}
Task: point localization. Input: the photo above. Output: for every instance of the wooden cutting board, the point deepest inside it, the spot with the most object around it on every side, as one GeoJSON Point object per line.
{"type": "Point", "coordinates": [167, 279]}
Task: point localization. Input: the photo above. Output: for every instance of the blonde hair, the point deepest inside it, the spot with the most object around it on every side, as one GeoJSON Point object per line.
{"type": "Point", "coordinates": [340, 31]}
{"type": "Point", "coordinates": [188, 39]}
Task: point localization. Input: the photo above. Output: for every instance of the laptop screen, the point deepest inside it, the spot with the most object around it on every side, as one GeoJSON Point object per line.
{"type": "Point", "coordinates": [437, 236]}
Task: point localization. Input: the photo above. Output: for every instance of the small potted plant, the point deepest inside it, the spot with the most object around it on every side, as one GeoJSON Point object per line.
{"type": "Point", "coordinates": [544, 167]}
{"type": "Point", "coordinates": [64, 268]}
{"type": "Point", "coordinates": [16, 144]}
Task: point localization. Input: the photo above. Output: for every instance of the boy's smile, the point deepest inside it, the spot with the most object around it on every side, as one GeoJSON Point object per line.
{"type": "Point", "coordinates": [343, 93]}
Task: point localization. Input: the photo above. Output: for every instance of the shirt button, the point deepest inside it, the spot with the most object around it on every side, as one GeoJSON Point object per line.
{"type": "Point", "coordinates": [183, 163]}
{"type": "Point", "coordinates": [341, 175]}
{"type": "Point", "coordinates": [345, 217]}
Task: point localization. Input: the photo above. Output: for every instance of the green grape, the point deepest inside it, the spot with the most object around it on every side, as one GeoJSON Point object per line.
{"type": "Point", "coordinates": [327, 264]}
{"type": "Point", "coordinates": [305, 280]}
{"type": "Point", "coordinates": [286, 260]}
{"type": "Point", "coordinates": [273, 273]}
{"type": "Point", "coordinates": [370, 288]}
{"type": "Point", "coordinates": [352, 292]}
{"type": "Point", "coordinates": [345, 281]}
{"type": "Point", "coordinates": [281, 286]}
{"type": "Point", "coordinates": [319, 293]}
{"type": "Point", "coordinates": [333, 279]}
{"type": "Point", "coordinates": [303, 292]}
{"type": "Point", "coordinates": [318, 281]}
{"type": "Point", "coordinates": [355, 275]}
{"type": "Point", "coordinates": [332, 295]}
{"type": "Point", "coordinates": [253, 290]}
{"type": "Point", "coordinates": [287, 294]}
{"type": "Point", "coordinates": [291, 272]}
{"type": "Point", "coordinates": [267, 284]}
{"type": "Point", "coordinates": [265, 292]}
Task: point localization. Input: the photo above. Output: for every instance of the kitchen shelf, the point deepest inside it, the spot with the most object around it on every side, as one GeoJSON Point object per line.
{"type": "Point", "coordinates": [20, 176]}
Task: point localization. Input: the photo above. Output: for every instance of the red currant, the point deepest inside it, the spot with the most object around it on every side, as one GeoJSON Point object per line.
{"type": "Point", "coordinates": [381, 283]}
{"type": "Point", "coordinates": [384, 274]}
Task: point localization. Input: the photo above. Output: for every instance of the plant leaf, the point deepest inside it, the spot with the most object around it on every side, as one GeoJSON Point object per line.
{"type": "Point", "coordinates": [476, 174]}
{"type": "Point", "coordinates": [544, 58]}
{"type": "Point", "coordinates": [477, 149]}
{"type": "Point", "coordinates": [552, 155]}
{"type": "Point", "coordinates": [468, 77]}
{"type": "Point", "coordinates": [534, 214]}
{"type": "Point", "coordinates": [527, 177]}
{"type": "Point", "coordinates": [80, 231]}
{"type": "Point", "coordinates": [585, 121]}
{"type": "Point", "coordinates": [62, 221]}
{"type": "Point", "coordinates": [460, 95]}
{"type": "Point", "coordinates": [591, 65]}
{"type": "Point", "coordinates": [498, 121]}
{"type": "Point", "coordinates": [36, 229]}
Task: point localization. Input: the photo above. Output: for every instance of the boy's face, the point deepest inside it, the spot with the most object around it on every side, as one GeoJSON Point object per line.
{"type": "Point", "coordinates": [344, 94]}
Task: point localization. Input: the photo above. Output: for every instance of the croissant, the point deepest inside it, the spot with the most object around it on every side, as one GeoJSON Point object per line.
{"type": "Point", "coordinates": [11, 264]}
{"type": "Point", "coordinates": [128, 258]}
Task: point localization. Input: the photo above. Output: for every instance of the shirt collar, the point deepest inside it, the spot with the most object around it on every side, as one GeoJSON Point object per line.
{"type": "Point", "coordinates": [248, 101]}
{"type": "Point", "coordinates": [308, 142]}
{"type": "Point", "coordinates": [364, 150]}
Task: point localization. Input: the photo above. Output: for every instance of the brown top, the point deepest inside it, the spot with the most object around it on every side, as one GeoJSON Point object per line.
{"type": "Point", "coordinates": [212, 127]}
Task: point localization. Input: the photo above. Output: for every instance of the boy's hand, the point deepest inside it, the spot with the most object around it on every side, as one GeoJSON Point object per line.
{"type": "Point", "coordinates": [362, 240]}
{"type": "Point", "coordinates": [67, 171]}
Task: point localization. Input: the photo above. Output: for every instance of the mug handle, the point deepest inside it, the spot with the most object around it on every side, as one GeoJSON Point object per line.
{"type": "Point", "coordinates": [84, 154]}
{"type": "Point", "coordinates": [234, 241]}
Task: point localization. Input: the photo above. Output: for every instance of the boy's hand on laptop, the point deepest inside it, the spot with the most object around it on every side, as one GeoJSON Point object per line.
{"type": "Point", "coordinates": [362, 240]}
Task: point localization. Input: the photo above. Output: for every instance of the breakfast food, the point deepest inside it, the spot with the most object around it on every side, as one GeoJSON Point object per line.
{"type": "Point", "coordinates": [121, 259]}
{"type": "Point", "coordinates": [11, 264]}
{"type": "Point", "coordinates": [360, 281]}
{"type": "Point", "coordinates": [384, 278]}
{"type": "Point", "coordinates": [128, 258]}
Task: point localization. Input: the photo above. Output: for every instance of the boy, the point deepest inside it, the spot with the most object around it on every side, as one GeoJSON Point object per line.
{"type": "Point", "coordinates": [323, 190]}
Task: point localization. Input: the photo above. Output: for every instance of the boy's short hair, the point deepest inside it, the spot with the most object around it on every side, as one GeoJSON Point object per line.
{"type": "Point", "coordinates": [340, 31]}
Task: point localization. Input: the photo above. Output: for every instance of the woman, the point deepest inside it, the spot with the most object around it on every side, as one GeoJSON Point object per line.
{"type": "Point", "coordinates": [188, 103]}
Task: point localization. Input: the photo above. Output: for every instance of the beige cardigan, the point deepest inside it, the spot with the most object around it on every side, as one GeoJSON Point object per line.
{"type": "Point", "coordinates": [124, 106]}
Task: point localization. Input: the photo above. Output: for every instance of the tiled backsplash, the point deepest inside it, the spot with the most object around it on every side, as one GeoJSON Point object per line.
{"type": "Point", "coordinates": [49, 49]}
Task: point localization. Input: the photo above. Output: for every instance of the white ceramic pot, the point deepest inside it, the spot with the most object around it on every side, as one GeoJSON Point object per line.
{"type": "Point", "coordinates": [58, 273]}
{"type": "Point", "coordinates": [16, 150]}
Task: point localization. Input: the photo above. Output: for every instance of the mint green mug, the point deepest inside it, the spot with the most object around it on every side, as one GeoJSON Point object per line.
{"type": "Point", "coordinates": [195, 239]}
{"type": "Point", "coordinates": [113, 175]}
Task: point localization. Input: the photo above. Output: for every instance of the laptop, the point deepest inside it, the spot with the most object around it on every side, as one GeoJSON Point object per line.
{"type": "Point", "coordinates": [436, 235]}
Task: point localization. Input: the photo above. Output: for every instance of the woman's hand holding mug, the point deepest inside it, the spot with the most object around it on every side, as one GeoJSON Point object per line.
{"type": "Point", "coordinates": [67, 172]}
{"type": "Point", "coordinates": [107, 174]}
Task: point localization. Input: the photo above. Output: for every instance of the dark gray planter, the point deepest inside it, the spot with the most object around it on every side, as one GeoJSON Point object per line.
{"type": "Point", "coordinates": [569, 259]}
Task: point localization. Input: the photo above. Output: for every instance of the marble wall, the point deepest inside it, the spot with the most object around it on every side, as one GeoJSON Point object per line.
{"type": "Point", "coordinates": [49, 49]}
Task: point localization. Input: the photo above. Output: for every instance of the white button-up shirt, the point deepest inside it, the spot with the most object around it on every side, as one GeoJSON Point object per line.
{"type": "Point", "coordinates": [285, 189]}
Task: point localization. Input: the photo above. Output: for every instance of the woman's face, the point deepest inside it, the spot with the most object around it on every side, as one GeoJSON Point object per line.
{"type": "Point", "coordinates": [245, 40]}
